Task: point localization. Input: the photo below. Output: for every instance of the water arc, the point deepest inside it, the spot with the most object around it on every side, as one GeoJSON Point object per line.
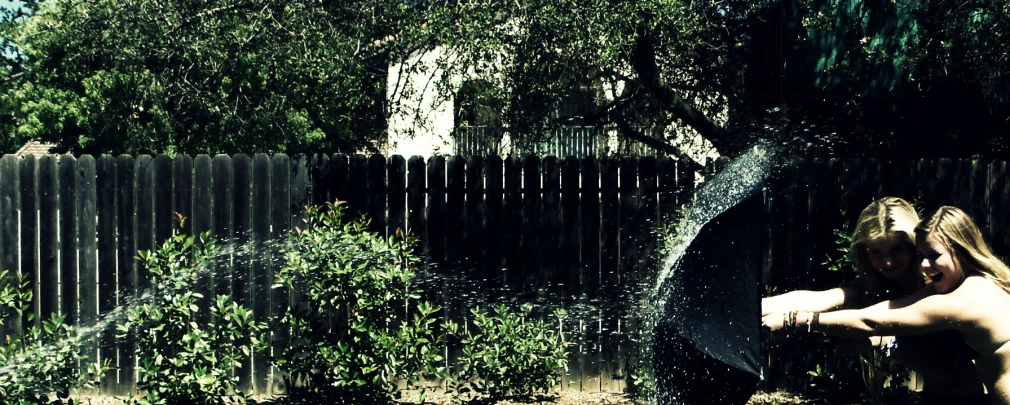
{"type": "Point", "coordinates": [706, 336]}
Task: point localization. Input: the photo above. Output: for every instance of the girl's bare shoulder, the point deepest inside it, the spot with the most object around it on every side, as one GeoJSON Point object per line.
{"type": "Point", "coordinates": [977, 289]}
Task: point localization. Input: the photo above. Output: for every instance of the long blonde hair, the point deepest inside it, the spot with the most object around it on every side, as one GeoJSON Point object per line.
{"type": "Point", "coordinates": [961, 236]}
{"type": "Point", "coordinates": [883, 217]}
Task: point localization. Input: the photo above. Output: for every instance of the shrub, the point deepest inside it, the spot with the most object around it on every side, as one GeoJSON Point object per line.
{"type": "Point", "coordinates": [182, 361]}
{"type": "Point", "coordinates": [507, 353]}
{"type": "Point", "coordinates": [350, 337]}
{"type": "Point", "coordinates": [43, 360]}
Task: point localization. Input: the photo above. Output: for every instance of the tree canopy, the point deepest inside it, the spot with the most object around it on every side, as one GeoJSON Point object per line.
{"type": "Point", "coordinates": [901, 77]}
{"type": "Point", "coordinates": [919, 78]}
{"type": "Point", "coordinates": [199, 76]}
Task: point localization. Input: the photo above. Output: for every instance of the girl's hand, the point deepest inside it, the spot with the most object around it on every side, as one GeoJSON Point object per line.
{"type": "Point", "coordinates": [773, 321]}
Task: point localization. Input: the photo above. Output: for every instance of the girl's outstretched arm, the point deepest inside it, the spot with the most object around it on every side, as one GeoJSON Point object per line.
{"type": "Point", "coordinates": [918, 314]}
{"type": "Point", "coordinates": [810, 301]}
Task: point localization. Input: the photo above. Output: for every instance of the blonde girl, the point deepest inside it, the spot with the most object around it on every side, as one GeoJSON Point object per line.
{"type": "Point", "coordinates": [883, 250]}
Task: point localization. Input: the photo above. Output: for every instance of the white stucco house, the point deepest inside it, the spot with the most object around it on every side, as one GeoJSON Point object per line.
{"type": "Point", "coordinates": [422, 121]}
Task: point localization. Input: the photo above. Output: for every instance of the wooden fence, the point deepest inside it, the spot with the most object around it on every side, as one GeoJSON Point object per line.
{"type": "Point", "coordinates": [575, 233]}
{"type": "Point", "coordinates": [565, 232]}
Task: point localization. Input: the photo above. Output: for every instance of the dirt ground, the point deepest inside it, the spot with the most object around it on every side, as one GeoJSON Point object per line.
{"type": "Point", "coordinates": [585, 398]}
{"type": "Point", "coordinates": [566, 398]}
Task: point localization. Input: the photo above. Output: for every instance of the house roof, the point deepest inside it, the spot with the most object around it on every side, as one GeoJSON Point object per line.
{"type": "Point", "coordinates": [35, 148]}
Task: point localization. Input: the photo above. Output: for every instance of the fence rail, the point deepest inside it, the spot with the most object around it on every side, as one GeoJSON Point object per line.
{"type": "Point", "coordinates": [573, 232]}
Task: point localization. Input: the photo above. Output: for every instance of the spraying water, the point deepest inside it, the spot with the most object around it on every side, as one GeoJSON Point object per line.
{"type": "Point", "coordinates": [742, 178]}
{"type": "Point", "coordinates": [703, 335]}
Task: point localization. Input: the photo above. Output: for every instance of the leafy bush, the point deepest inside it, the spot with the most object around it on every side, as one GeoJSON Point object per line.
{"type": "Point", "coordinates": [182, 361]}
{"type": "Point", "coordinates": [43, 360]}
{"type": "Point", "coordinates": [350, 338]}
{"type": "Point", "coordinates": [508, 353]}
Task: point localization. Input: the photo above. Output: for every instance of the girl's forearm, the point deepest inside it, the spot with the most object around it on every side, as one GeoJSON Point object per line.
{"type": "Point", "coordinates": [838, 323]}
{"type": "Point", "coordinates": [846, 323]}
{"type": "Point", "coordinates": [803, 300]}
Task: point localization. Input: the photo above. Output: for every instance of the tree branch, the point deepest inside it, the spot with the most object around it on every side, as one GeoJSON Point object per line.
{"type": "Point", "coordinates": [631, 133]}
{"type": "Point", "coordinates": [13, 76]}
{"type": "Point", "coordinates": [643, 62]}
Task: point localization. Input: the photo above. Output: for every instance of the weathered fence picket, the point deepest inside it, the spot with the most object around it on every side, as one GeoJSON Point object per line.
{"type": "Point", "coordinates": [200, 221]}
{"type": "Point", "coordinates": [397, 180]}
{"type": "Point", "coordinates": [570, 273]}
{"type": "Point", "coordinates": [376, 210]}
{"type": "Point", "coordinates": [49, 248]}
{"type": "Point", "coordinates": [494, 227]}
{"type": "Point", "coordinates": [280, 222]}
{"type": "Point", "coordinates": [29, 226]}
{"type": "Point", "coordinates": [589, 293]}
{"type": "Point", "coordinates": [126, 227]}
{"type": "Point", "coordinates": [549, 232]}
{"type": "Point", "coordinates": [242, 285]}
{"type": "Point", "coordinates": [9, 232]}
{"type": "Point", "coordinates": [356, 187]}
{"type": "Point", "coordinates": [68, 239]}
{"type": "Point", "coordinates": [108, 290]}
{"type": "Point", "coordinates": [529, 235]}
{"type": "Point", "coordinates": [261, 267]}
{"type": "Point", "coordinates": [87, 219]}
{"type": "Point", "coordinates": [223, 172]}
{"type": "Point", "coordinates": [511, 229]}
{"type": "Point", "coordinates": [610, 277]}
